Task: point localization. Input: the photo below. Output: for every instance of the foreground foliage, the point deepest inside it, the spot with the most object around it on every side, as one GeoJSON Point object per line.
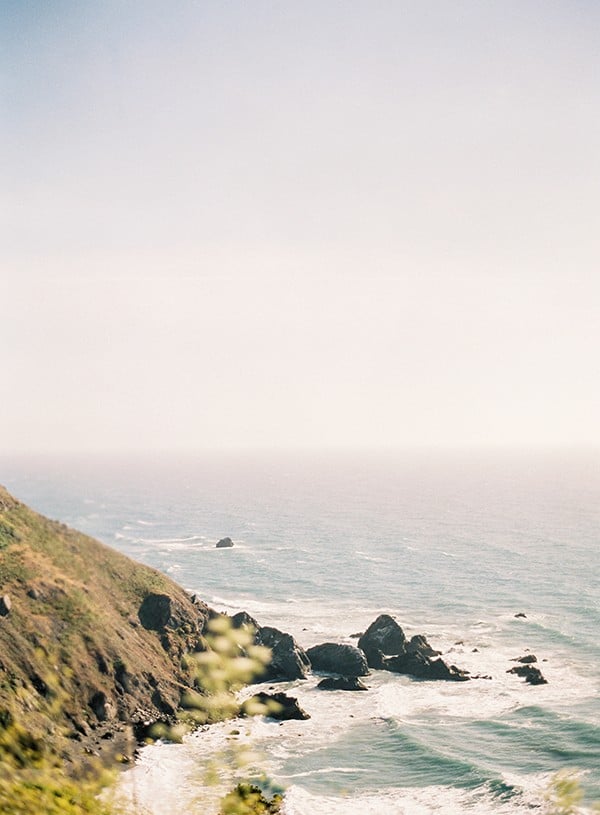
{"type": "Point", "coordinates": [247, 799]}
{"type": "Point", "coordinates": [33, 781]}
{"type": "Point", "coordinates": [565, 794]}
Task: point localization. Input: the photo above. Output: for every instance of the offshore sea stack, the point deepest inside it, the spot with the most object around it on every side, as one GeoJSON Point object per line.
{"type": "Point", "coordinates": [386, 648]}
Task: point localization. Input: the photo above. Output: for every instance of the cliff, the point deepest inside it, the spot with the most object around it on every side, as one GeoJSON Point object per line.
{"type": "Point", "coordinates": [91, 643]}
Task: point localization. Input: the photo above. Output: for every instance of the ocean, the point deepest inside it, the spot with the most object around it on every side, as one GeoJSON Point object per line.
{"type": "Point", "coordinates": [453, 544]}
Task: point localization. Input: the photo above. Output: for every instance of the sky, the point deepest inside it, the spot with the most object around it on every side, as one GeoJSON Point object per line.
{"type": "Point", "coordinates": [299, 225]}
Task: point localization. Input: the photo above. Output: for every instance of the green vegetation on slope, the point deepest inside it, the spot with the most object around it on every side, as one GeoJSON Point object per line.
{"type": "Point", "coordinates": [79, 664]}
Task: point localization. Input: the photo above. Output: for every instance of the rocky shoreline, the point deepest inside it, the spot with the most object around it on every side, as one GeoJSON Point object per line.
{"type": "Point", "coordinates": [341, 666]}
{"type": "Point", "coordinates": [94, 647]}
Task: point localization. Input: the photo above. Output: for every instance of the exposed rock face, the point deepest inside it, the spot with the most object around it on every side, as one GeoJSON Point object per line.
{"type": "Point", "coordinates": [342, 683]}
{"type": "Point", "coordinates": [5, 605]}
{"type": "Point", "coordinates": [103, 708]}
{"type": "Point", "coordinates": [277, 705]}
{"type": "Point", "coordinates": [159, 612]}
{"type": "Point", "coordinates": [337, 658]}
{"type": "Point", "coordinates": [224, 543]}
{"type": "Point", "coordinates": [532, 675]}
{"type": "Point", "coordinates": [383, 636]}
{"type": "Point", "coordinates": [155, 611]}
{"type": "Point", "coordinates": [288, 660]}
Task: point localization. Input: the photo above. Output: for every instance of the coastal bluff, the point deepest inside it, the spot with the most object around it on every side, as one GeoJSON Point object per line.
{"type": "Point", "coordinates": [91, 643]}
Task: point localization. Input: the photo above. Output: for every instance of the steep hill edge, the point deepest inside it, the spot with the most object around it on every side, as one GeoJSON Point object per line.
{"type": "Point", "coordinates": [91, 643]}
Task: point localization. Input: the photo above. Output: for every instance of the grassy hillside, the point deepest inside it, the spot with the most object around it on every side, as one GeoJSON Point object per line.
{"type": "Point", "coordinates": [91, 643]}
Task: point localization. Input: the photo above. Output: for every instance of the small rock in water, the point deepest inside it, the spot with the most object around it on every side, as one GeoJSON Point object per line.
{"type": "Point", "coordinates": [224, 543]}
{"type": "Point", "coordinates": [521, 614]}
{"type": "Point", "coordinates": [342, 683]}
{"type": "Point", "coordinates": [530, 674]}
{"type": "Point", "coordinates": [528, 658]}
{"type": "Point", "coordinates": [274, 705]}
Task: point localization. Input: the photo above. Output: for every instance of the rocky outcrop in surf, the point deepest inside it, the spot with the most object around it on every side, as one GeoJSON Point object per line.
{"type": "Point", "coordinates": [383, 636]}
{"type": "Point", "coordinates": [288, 659]}
{"type": "Point", "coordinates": [278, 706]}
{"type": "Point", "coordinates": [531, 674]}
{"type": "Point", "coordinates": [333, 657]}
{"type": "Point", "coordinates": [342, 683]}
{"type": "Point", "coordinates": [387, 648]}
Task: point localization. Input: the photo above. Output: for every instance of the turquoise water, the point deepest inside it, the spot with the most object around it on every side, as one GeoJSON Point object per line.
{"type": "Point", "coordinates": [452, 544]}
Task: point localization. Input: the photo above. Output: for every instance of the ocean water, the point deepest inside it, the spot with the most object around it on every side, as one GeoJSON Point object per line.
{"type": "Point", "coordinates": [452, 544]}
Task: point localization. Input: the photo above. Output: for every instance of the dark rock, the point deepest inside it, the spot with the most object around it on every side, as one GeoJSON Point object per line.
{"type": "Point", "coordinates": [529, 673]}
{"type": "Point", "coordinates": [123, 677]}
{"type": "Point", "coordinates": [243, 619]}
{"type": "Point", "coordinates": [101, 662]}
{"type": "Point", "coordinates": [159, 611]}
{"type": "Point", "coordinates": [39, 684]}
{"type": "Point", "coordinates": [419, 645]}
{"type": "Point", "coordinates": [34, 593]}
{"type": "Point", "coordinates": [357, 635]}
{"type": "Point", "coordinates": [520, 614]}
{"type": "Point", "coordinates": [383, 636]}
{"type": "Point", "coordinates": [102, 707]}
{"type": "Point", "coordinates": [155, 611]}
{"type": "Point", "coordinates": [423, 667]}
{"type": "Point", "coordinates": [5, 605]}
{"type": "Point", "coordinates": [288, 659]}
{"type": "Point", "coordinates": [338, 658]}
{"type": "Point", "coordinates": [342, 683]}
{"type": "Point", "coordinates": [275, 705]}
{"type": "Point", "coordinates": [225, 543]}
{"type": "Point", "coordinates": [525, 660]}
{"type": "Point", "coordinates": [159, 701]}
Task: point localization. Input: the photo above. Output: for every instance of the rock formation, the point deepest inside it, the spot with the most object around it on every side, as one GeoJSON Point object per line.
{"type": "Point", "coordinates": [386, 648]}
{"type": "Point", "coordinates": [383, 636]}
{"type": "Point", "coordinates": [529, 673]}
{"type": "Point", "coordinates": [288, 659]}
{"type": "Point", "coordinates": [278, 706]}
{"type": "Point", "coordinates": [336, 658]}
{"type": "Point", "coordinates": [342, 683]}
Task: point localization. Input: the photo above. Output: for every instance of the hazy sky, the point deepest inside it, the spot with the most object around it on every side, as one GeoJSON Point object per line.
{"type": "Point", "coordinates": [299, 224]}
